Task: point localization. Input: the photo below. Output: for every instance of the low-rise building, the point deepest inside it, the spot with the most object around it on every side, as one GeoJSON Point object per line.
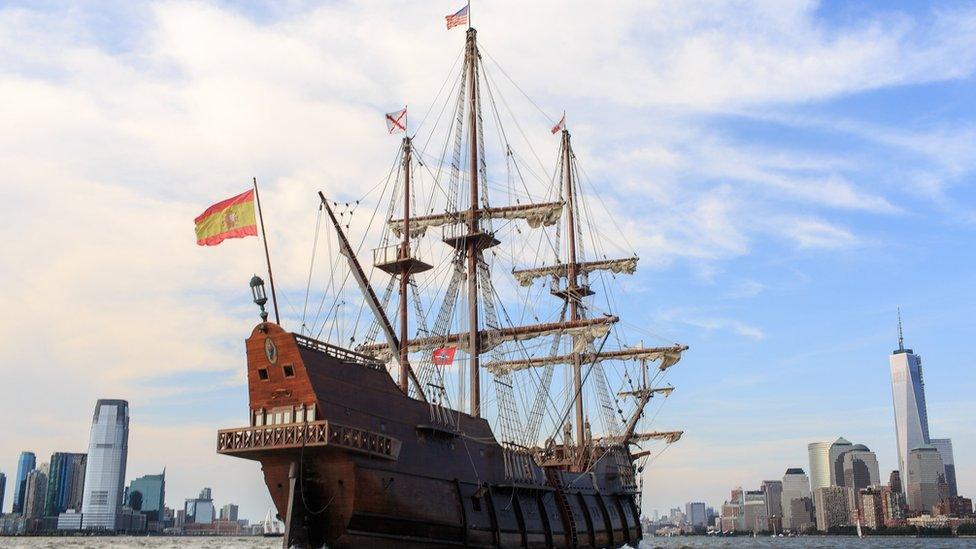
{"type": "Point", "coordinates": [956, 506]}
{"type": "Point", "coordinates": [69, 520]}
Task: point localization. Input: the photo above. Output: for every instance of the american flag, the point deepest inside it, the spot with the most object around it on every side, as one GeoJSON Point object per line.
{"type": "Point", "coordinates": [459, 18]}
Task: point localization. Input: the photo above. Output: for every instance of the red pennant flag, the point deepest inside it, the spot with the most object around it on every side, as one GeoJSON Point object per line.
{"type": "Point", "coordinates": [443, 356]}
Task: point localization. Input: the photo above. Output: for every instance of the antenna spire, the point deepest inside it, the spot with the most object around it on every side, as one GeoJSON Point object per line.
{"type": "Point", "coordinates": [901, 336]}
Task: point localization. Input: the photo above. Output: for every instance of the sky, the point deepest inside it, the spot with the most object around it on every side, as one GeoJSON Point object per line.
{"type": "Point", "coordinates": [790, 172]}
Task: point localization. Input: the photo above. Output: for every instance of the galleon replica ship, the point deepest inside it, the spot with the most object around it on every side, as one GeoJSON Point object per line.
{"type": "Point", "coordinates": [382, 438]}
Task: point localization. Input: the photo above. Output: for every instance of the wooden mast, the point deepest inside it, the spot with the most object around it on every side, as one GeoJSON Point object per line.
{"type": "Point", "coordinates": [405, 267]}
{"type": "Point", "coordinates": [474, 345]}
{"type": "Point", "coordinates": [572, 291]}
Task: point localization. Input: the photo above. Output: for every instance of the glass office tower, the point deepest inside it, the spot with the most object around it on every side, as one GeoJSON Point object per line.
{"type": "Point", "coordinates": [26, 464]}
{"type": "Point", "coordinates": [908, 398]}
{"type": "Point", "coordinates": [108, 449]}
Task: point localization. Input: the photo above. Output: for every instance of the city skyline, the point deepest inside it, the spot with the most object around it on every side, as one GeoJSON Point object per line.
{"type": "Point", "coordinates": [790, 174]}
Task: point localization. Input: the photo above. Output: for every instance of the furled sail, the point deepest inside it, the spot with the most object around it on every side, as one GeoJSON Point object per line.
{"type": "Point", "coordinates": [583, 332]}
{"type": "Point", "coordinates": [669, 437]}
{"type": "Point", "coordinates": [627, 265]}
{"type": "Point", "coordinates": [536, 215]}
{"type": "Point", "coordinates": [647, 393]}
{"type": "Point", "coordinates": [668, 356]}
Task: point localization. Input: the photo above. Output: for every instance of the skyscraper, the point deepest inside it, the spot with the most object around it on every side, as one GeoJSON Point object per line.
{"type": "Point", "coordinates": [860, 468]}
{"type": "Point", "coordinates": [944, 446]}
{"type": "Point", "coordinates": [201, 509]}
{"type": "Point", "coordinates": [908, 398]}
{"type": "Point", "coordinates": [925, 469]}
{"type": "Point", "coordinates": [819, 453]}
{"type": "Point", "coordinates": [65, 482]}
{"type": "Point", "coordinates": [3, 490]}
{"type": "Point", "coordinates": [25, 465]}
{"type": "Point", "coordinates": [826, 463]}
{"type": "Point", "coordinates": [108, 449]}
{"type": "Point", "coordinates": [229, 512]}
{"type": "Point", "coordinates": [151, 498]}
{"type": "Point", "coordinates": [796, 485]}
{"type": "Point", "coordinates": [34, 490]}
{"type": "Point", "coordinates": [694, 513]}
{"type": "Point", "coordinates": [773, 491]}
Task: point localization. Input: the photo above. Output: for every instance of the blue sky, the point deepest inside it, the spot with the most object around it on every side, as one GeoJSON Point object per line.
{"type": "Point", "coordinates": [790, 172]}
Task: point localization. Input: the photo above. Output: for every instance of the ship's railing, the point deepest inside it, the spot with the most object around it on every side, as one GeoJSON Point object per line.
{"type": "Point", "coordinates": [312, 434]}
{"type": "Point", "coordinates": [334, 351]}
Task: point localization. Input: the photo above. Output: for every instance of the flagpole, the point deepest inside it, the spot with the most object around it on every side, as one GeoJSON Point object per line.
{"type": "Point", "coordinates": [470, 19]}
{"type": "Point", "coordinates": [267, 256]}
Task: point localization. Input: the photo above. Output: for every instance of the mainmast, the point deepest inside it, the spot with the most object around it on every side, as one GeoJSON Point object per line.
{"type": "Point", "coordinates": [572, 289]}
{"type": "Point", "coordinates": [405, 266]}
{"type": "Point", "coordinates": [474, 345]}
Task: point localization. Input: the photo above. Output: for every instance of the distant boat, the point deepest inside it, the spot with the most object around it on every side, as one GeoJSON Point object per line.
{"type": "Point", "coordinates": [272, 528]}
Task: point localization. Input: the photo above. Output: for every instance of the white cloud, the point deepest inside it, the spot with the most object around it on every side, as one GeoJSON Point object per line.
{"type": "Point", "coordinates": [815, 233]}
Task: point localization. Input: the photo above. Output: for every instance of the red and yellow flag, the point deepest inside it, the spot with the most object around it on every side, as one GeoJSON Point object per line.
{"type": "Point", "coordinates": [231, 218]}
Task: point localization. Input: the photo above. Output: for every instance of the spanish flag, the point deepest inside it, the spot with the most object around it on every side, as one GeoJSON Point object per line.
{"type": "Point", "coordinates": [231, 218]}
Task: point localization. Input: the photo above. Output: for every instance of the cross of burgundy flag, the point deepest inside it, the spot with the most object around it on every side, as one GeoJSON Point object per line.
{"type": "Point", "coordinates": [459, 18]}
{"type": "Point", "coordinates": [396, 122]}
{"type": "Point", "coordinates": [443, 356]}
{"type": "Point", "coordinates": [560, 126]}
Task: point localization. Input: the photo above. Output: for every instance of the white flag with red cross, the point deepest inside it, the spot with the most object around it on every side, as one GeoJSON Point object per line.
{"type": "Point", "coordinates": [396, 122]}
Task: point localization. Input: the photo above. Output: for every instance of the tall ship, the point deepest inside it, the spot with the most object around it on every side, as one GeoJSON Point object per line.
{"type": "Point", "coordinates": [471, 384]}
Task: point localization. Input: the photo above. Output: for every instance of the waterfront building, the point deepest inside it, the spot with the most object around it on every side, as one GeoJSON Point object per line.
{"type": "Point", "coordinates": [832, 505]}
{"type": "Point", "coordinates": [944, 446]}
{"type": "Point", "coordinates": [908, 399]}
{"type": "Point", "coordinates": [35, 488]}
{"type": "Point", "coordinates": [3, 490]}
{"type": "Point", "coordinates": [108, 449]}
{"type": "Point", "coordinates": [893, 504]}
{"type": "Point", "coordinates": [796, 485]}
{"type": "Point", "coordinates": [25, 464]}
{"type": "Point", "coordinates": [871, 505]}
{"type": "Point", "coordinates": [773, 492]}
{"type": "Point", "coordinates": [229, 512]}
{"type": "Point", "coordinates": [147, 494]}
{"type": "Point", "coordinates": [754, 517]}
{"type": "Point", "coordinates": [859, 467]}
{"type": "Point", "coordinates": [200, 510]}
{"type": "Point", "coordinates": [69, 520]}
{"type": "Point", "coordinates": [925, 471]}
{"type": "Point", "coordinates": [801, 514]}
{"type": "Point", "coordinates": [65, 483]}
{"type": "Point", "coordinates": [954, 506]}
{"type": "Point", "coordinates": [731, 516]}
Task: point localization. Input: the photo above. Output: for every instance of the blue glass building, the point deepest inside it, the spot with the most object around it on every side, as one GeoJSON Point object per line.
{"type": "Point", "coordinates": [26, 464]}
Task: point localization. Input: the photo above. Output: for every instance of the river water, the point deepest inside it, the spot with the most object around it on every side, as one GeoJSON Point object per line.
{"type": "Point", "coordinates": [814, 542]}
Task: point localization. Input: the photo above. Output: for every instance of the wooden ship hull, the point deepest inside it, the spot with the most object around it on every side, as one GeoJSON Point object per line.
{"type": "Point", "coordinates": [352, 461]}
